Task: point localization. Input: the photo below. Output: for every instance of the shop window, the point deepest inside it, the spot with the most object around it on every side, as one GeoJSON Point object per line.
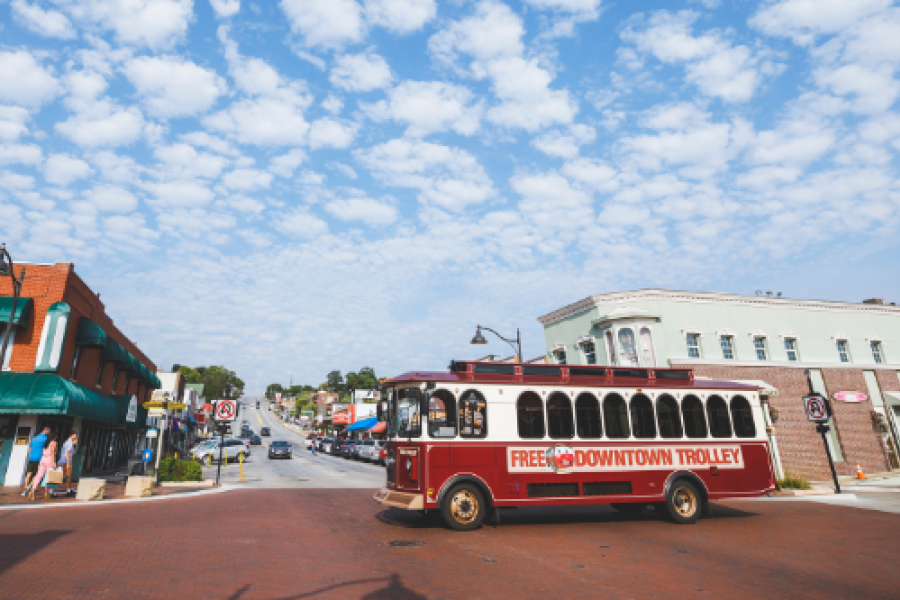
{"type": "Point", "coordinates": [742, 416]}
{"type": "Point", "coordinates": [843, 348]}
{"type": "Point", "coordinates": [693, 345]}
{"type": "Point", "coordinates": [647, 347]}
{"type": "Point", "coordinates": [587, 416]}
{"type": "Point", "coordinates": [667, 417]}
{"type": "Point", "coordinates": [759, 344]}
{"type": "Point", "coordinates": [472, 415]}
{"type": "Point", "coordinates": [717, 412]}
{"type": "Point", "coordinates": [442, 414]}
{"type": "Point", "coordinates": [590, 353]}
{"type": "Point", "coordinates": [790, 347]}
{"type": "Point", "coordinates": [409, 404]}
{"type": "Point", "coordinates": [877, 352]}
{"type": "Point", "coordinates": [629, 350]}
{"type": "Point", "coordinates": [643, 425]}
{"type": "Point", "coordinates": [611, 349]}
{"type": "Point", "coordinates": [727, 343]}
{"type": "Point", "coordinates": [559, 416]}
{"type": "Point", "coordinates": [530, 413]}
{"type": "Point", "coordinates": [615, 413]}
{"type": "Point", "coordinates": [694, 419]}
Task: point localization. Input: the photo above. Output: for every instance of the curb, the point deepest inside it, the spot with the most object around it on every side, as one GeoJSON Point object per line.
{"type": "Point", "coordinates": [17, 507]}
{"type": "Point", "coordinates": [819, 498]}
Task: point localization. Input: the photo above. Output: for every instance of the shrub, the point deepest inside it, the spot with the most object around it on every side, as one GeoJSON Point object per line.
{"type": "Point", "coordinates": [792, 482]}
{"type": "Point", "coordinates": [172, 469]}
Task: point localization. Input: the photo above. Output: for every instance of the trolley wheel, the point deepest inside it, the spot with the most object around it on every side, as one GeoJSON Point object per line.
{"type": "Point", "coordinates": [629, 509]}
{"type": "Point", "coordinates": [463, 508]}
{"type": "Point", "coordinates": [683, 503]}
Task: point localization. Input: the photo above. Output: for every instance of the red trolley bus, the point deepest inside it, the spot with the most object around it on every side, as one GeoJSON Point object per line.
{"type": "Point", "coordinates": [489, 435]}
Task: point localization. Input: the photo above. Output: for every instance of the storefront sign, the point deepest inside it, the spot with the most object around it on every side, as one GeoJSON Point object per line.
{"type": "Point", "coordinates": [851, 397]}
{"type": "Point", "coordinates": [132, 410]}
{"type": "Point", "coordinates": [152, 433]}
{"type": "Point", "coordinates": [156, 412]}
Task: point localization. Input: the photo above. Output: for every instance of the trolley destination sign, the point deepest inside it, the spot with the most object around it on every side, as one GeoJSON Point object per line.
{"type": "Point", "coordinates": [628, 458]}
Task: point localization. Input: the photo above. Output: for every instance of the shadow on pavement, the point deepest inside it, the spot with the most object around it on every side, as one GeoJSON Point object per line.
{"type": "Point", "coordinates": [394, 590]}
{"type": "Point", "coordinates": [19, 547]}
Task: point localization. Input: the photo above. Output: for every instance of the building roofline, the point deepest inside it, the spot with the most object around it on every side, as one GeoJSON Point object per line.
{"type": "Point", "coordinates": [703, 297]}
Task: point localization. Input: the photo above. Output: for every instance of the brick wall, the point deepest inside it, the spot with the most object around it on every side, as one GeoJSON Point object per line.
{"type": "Point", "coordinates": [801, 448]}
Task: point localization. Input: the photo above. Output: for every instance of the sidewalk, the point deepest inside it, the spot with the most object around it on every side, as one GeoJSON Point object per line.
{"type": "Point", "coordinates": [12, 495]}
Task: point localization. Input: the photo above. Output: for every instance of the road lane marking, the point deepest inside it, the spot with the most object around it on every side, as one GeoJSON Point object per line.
{"type": "Point", "coordinates": [258, 419]}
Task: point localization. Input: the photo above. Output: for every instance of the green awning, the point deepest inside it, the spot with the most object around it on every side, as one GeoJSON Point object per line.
{"type": "Point", "coordinates": [131, 364]}
{"type": "Point", "coordinates": [24, 308]}
{"type": "Point", "coordinates": [112, 352]}
{"type": "Point", "coordinates": [90, 334]}
{"type": "Point", "coordinates": [50, 394]}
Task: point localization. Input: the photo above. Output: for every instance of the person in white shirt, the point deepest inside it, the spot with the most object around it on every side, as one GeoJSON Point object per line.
{"type": "Point", "coordinates": [67, 456]}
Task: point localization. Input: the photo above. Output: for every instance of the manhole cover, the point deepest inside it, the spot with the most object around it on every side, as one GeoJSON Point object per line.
{"type": "Point", "coordinates": [406, 543]}
{"type": "Point", "coordinates": [489, 560]}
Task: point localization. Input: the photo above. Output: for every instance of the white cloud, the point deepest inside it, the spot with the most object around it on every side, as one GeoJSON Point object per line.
{"type": "Point", "coordinates": [573, 6]}
{"type": "Point", "coordinates": [108, 198]}
{"type": "Point", "coordinates": [356, 206]}
{"type": "Point", "coordinates": [430, 107]}
{"type": "Point", "coordinates": [331, 133]}
{"type": "Point", "coordinates": [48, 23]}
{"type": "Point", "coordinates": [173, 87]}
{"type": "Point", "coordinates": [121, 169]}
{"type": "Point", "coordinates": [23, 80]}
{"type": "Point", "coordinates": [106, 125]}
{"type": "Point", "coordinates": [182, 161]}
{"type": "Point", "coordinates": [286, 164]}
{"type": "Point", "coordinates": [15, 181]}
{"type": "Point", "coordinates": [331, 24]}
{"type": "Point", "coordinates": [188, 194]}
{"type": "Point", "coordinates": [333, 104]}
{"type": "Point", "coordinates": [360, 72]}
{"type": "Point", "coordinates": [593, 173]}
{"type": "Point", "coordinates": [565, 144]}
{"type": "Point", "coordinates": [129, 232]}
{"type": "Point", "coordinates": [62, 169]}
{"type": "Point", "coordinates": [12, 122]}
{"type": "Point", "coordinates": [448, 177]}
{"type": "Point", "coordinates": [551, 203]}
{"type": "Point", "coordinates": [793, 145]}
{"type": "Point", "coordinates": [301, 223]}
{"type": "Point", "coordinates": [225, 8]}
{"type": "Point", "coordinates": [216, 144]}
{"type": "Point", "coordinates": [400, 16]}
{"type": "Point", "coordinates": [802, 20]}
{"type": "Point", "coordinates": [23, 154]}
{"type": "Point", "coordinates": [156, 24]}
{"type": "Point", "coordinates": [247, 179]}
{"type": "Point", "coordinates": [875, 89]}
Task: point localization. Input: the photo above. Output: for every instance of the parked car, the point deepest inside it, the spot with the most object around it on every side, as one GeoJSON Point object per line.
{"type": "Point", "coordinates": [280, 449]}
{"type": "Point", "coordinates": [325, 445]}
{"type": "Point", "coordinates": [309, 441]}
{"type": "Point", "coordinates": [336, 447]}
{"type": "Point", "coordinates": [232, 449]}
{"type": "Point", "coordinates": [347, 448]}
{"type": "Point", "coordinates": [355, 450]}
{"type": "Point", "coordinates": [255, 440]}
{"type": "Point", "coordinates": [370, 450]}
{"type": "Point", "coordinates": [265, 432]}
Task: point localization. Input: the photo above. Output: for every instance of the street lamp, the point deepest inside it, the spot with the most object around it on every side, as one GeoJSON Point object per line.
{"type": "Point", "coordinates": [7, 268]}
{"type": "Point", "coordinates": [516, 343]}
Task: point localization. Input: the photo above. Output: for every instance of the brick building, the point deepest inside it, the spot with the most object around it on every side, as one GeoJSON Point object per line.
{"type": "Point", "coordinates": [785, 346]}
{"type": "Point", "coordinates": [69, 367]}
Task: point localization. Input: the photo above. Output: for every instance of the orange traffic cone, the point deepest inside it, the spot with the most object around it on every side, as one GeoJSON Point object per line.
{"type": "Point", "coordinates": [859, 472]}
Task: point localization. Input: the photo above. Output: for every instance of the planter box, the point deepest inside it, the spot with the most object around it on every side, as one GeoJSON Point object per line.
{"type": "Point", "coordinates": [139, 486]}
{"type": "Point", "coordinates": [90, 488]}
{"type": "Point", "coordinates": [187, 484]}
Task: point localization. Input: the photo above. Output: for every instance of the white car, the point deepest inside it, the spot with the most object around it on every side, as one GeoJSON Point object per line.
{"type": "Point", "coordinates": [370, 451]}
{"type": "Point", "coordinates": [308, 442]}
{"type": "Point", "coordinates": [233, 449]}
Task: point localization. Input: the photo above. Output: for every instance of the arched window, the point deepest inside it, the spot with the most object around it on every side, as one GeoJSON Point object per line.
{"type": "Point", "coordinates": [442, 414]}
{"type": "Point", "coordinates": [742, 415]}
{"type": "Point", "coordinates": [719, 425]}
{"type": "Point", "coordinates": [668, 418]}
{"type": "Point", "coordinates": [530, 411]}
{"type": "Point", "coordinates": [694, 419]}
{"type": "Point", "coordinates": [647, 347]}
{"type": "Point", "coordinates": [629, 348]}
{"type": "Point", "coordinates": [643, 425]}
{"type": "Point", "coordinates": [611, 349]}
{"type": "Point", "coordinates": [472, 415]}
{"type": "Point", "coordinates": [559, 416]}
{"type": "Point", "coordinates": [587, 413]}
{"type": "Point", "coordinates": [615, 413]}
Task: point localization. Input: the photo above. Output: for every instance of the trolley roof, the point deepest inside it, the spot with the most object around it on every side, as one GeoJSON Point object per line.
{"type": "Point", "coordinates": [567, 375]}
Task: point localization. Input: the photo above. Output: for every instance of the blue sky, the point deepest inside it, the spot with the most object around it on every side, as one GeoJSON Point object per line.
{"type": "Point", "coordinates": [287, 188]}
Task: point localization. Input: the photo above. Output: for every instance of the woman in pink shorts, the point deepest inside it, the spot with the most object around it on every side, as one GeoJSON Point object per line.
{"type": "Point", "coordinates": [48, 461]}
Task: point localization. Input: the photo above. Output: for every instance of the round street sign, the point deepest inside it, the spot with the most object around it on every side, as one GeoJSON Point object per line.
{"type": "Point", "coordinates": [226, 410]}
{"type": "Point", "coordinates": [816, 408]}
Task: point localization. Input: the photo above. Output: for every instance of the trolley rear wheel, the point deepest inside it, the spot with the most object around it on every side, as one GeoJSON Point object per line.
{"type": "Point", "coordinates": [464, 507]}
{"type": "Point", "coordinates": [683, 503]}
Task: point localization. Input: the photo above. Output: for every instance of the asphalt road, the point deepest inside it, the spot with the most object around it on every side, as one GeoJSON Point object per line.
{"type": "Point", "coordinates": [302, 470]}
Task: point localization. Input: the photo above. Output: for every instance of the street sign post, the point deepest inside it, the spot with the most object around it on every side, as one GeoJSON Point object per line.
{"type": "Point", "coordinates": [224, 411]}
{"type": "Point", "coordinates": [818, 411]}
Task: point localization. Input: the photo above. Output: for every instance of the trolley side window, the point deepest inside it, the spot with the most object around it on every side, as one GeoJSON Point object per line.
{"type": "Point", "coordinates": [587, 413]}
{"type": "Point", "coordinates": [530, 414]}
{"type": "Point", "coordinates": [615, 413]}
{"type": "Point", "coordinates": [643, 425]}
{"type": "Point", "coordinates": [694, 419]}
{"type": "Point", "coordinates": [717, 411]}
{"type": "Point", "coordinates": [442, 414]}
{"type": "Point", "coordinates": [668, 418]}
{"type": "Point", "coordinates": [560, 423]}
{"type": "Point", "coordinates": [472, 415]}
{"type": "Point", "coordinates": [742, 416]}
{"type": "Point", "coordinates": [409, 421]}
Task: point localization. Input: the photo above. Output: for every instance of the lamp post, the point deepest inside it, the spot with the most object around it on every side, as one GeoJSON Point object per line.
{"type": "Point", "coordinates": [516, 343]}
{"type": "Point", "coordinates": [7, 268]}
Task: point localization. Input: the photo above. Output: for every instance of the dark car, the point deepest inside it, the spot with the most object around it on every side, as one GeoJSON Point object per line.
{"type": "Point", "coordinates": [338, 446]}
{"type": "Point", "coordinates": [280, 449]}
{"type": "Point", "coordinates": [325, 445]}
{"type": "Point", "coordinates": [255, 440]}
{"type": "Point", "coordinates": [265, 432]}
{"type": "Point", "coordinates": [347, 448]}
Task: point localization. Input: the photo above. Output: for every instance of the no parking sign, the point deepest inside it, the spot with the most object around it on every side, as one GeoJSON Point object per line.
{"type": "Point", "coordinates": [816, 408]}
{"type": "Point", "coordinates": [225, 410]}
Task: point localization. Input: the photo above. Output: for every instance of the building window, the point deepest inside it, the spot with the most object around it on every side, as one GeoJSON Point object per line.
{"type": "Point", "coordinates": [647, 347]}
{"type": "Point", "coordinates": [629, 351]}
{"type": "Point", "coordinates": [611, 349]}
{"type": "Point", "coordinates": [559, 417]}
{"type": "Point", "coordinates": [693, 345]}
{"type": "Point", "coordinates": [590, 353]}
{"type": "Point", "coordinates": [877, 352]}
{"type": "Point", "coordinates": [643, 425]}
{"type": "Point", "coordinates": [9, 347]}
{"type": "Point", "coordinates": [759, 344]}
{"type": "Point", "coordinates": [115, 380]}
{"type": "Point", "coordinates": [75, 363]}
{"type": "Point", "coordinates": [587, 413]}
{"type": "Point", "coordinates": [790, 346]}
{"type": "Point", "coordinates": [843, 348]}
{"type": "Point", "coordinates": [530, 412]}
{"type": "Point", "coordinates": [727, 343]}
{"type": "Point", "coordinates": [560, 356]}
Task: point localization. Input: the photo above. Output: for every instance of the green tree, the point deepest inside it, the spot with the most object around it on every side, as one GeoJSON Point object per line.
{"type": "Point", "coordinates": [217, 380]}
{"type": "Point", "coordinates": [364, 380]}
{"type": "Point", "coordinates": [334, 382]}
{"type": "Point", "coordinates": [273, 389]}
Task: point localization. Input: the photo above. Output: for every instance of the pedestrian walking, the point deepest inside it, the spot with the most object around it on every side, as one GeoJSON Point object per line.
{"type": "Point", "coordinates": [70, 447]}
{"type": "Point", "coordinates": [48, 461]}
{"type": "Point", "coordinates": [35, 452]}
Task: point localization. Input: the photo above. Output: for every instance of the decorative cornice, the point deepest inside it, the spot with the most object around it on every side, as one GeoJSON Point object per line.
{"type": "Point", "coordinates": [599, 300]}
{"type": "Point", "coordinates": [688, 362]}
